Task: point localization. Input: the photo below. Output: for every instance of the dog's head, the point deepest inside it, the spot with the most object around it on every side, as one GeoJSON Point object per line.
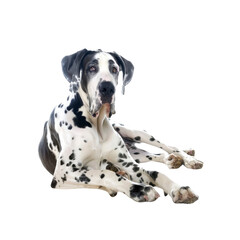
{"type": "Point", "coordinates": [95, 74]}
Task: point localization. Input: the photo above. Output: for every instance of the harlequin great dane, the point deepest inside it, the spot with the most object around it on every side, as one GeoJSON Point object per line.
{"type": "Point", "coordinates": [82, 149]}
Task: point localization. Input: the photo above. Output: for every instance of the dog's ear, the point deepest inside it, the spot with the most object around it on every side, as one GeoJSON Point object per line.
{"type": "Point", "coordinates": [126, 67]}
{"type": "Point", "coordinates": [71, 65]}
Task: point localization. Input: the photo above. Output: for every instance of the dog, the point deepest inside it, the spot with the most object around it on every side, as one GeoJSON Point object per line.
{"type": "Point", "coordinates": [81, 149]}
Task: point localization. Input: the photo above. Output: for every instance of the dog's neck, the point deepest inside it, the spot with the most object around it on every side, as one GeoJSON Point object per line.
{"type": "Point", "coordinates": [99, 121]}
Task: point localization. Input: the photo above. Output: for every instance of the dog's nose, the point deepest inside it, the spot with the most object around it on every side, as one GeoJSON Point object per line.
{"type": "Point", "coordinates": [106, 89]}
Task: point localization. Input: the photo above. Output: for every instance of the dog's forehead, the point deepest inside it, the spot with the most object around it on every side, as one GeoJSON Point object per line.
{"type": "Point", "coordinates": [104, 58]}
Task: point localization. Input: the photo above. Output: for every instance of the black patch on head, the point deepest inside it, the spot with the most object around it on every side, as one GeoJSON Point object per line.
{"type": "Point", "coordinates": [79, 120]}
{"type": "Point", "coordinates": [126, 67]}
{"type": "Point", "coordinates": [89, 63]}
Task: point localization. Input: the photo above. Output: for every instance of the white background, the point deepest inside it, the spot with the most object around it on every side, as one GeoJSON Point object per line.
{"type": "Point", "coordinates": [184, 91]}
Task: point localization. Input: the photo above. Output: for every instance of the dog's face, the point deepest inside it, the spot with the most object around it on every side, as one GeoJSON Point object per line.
{"type": "Point", "coordinates": [96, 73]}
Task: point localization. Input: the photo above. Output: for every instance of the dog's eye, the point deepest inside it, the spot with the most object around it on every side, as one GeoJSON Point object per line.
{"type": "Point", "coordinates": [92, 69]}
{"type": "Point", "coordinates": [114, 70]}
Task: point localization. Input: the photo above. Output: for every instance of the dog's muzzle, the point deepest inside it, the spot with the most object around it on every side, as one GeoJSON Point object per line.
{"type": "Point", "coordinates": [106, 90]}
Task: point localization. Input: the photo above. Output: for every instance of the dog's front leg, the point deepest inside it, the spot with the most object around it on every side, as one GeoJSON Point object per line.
{"type": "Point", "coordinates": [80, 177]}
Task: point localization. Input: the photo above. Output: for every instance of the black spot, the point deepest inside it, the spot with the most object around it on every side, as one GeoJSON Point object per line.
{"type": "Point", "coordinates": [65, 111]}
{"type": "Point", "coordinates": [153, 174]}
{"type": "Point", "coordinates": [139, 175]}
{"type": "Point", "coordinates": [137, 160]}
{"type": "Point", "coordinates": [85, 141]}
{"type": "Point", "coordinates": [122, 155]}
{"type": "Point", "coordinates": [138, 138]}
{"type": "Point", "coordinates": [74, 168]}
{"type": "Point", "coordinates": [70, 127]}
{"type": "Point", "coordinates": [54, 183]}
{"type": "Point", "coordinates": [72, 156]}
{"type": "Point", "coordinates": [129, 164]}
{"type": "Point", "coordinates": [64, 178]}
{"type": "Point", "coordinates": [136, 191]}
{"type": "Point", "coordinates": [152, 139]}
{"type": "Point", "coordinates": [61, 162]}
{"type": "Point", "coordinates": [120, 160]}
{"type": "Point", "coordinates": [84, 178]}
{"type": "Point", "coordinates": [80, 149]}
{"type": "Point", "coordinates": [102, 176]}
{"type": "Point", "coordinates": [152, 184]}
{"type": "Point", "coordinates": [150, 158]}
{"type": "Point", "coordinates": [135, 168]}
{"type": "Point", "coordinates": [136, 153]}
{"type": "Point", "coordinates": [68, 164]}
{"type": "Point", "coordinates": [111, 167]}
{"type": "Point", "coordinates": [79, 120]}
{"type": "Point", "coordinates": [117, 129]}
{"type": "Point", "coordinates": [55, 115]}
{"type": "Point", "coordinates": [124, 164]}
{"type": "Point", "coordinates": [60, 124]}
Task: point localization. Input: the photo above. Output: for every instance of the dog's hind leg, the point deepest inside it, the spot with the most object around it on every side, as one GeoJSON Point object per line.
{"type": "Point", "coordinates": [136, 136]}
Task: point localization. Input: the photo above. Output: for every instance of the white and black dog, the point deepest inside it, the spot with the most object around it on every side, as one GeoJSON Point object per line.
{"type": "Point", "coordinates": [83, 150]}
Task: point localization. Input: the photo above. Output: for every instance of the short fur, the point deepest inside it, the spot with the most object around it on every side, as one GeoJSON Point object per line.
{"type": "Point", "coordinates": [81, 149]}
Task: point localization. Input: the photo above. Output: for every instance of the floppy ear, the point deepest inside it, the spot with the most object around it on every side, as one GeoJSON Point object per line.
{"type": "Point", "coordinates": [126, 67]}
{"type": "Point", "coordinates": [71, 65]}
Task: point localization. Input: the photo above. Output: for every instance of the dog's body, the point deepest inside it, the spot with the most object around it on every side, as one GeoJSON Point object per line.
{"type": "Point", "coordinates": [82, 149]}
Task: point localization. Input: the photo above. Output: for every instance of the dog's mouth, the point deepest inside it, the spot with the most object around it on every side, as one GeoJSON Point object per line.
{"type": "Point", "coordinates": [107, 106]}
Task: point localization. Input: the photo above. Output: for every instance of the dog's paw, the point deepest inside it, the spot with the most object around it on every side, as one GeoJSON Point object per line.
{"type": "Point", "coordinates": [190, 152]}
{"type": "Point", "coordinates": [142, 193]}
{"type": "Point", "coordinates": [183, 195]}
{"type": "Point", "coordinates": [173, 161]}
{"type": "Point", "coordinates": [193, 163]}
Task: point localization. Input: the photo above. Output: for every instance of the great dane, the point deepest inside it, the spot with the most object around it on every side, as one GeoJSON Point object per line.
{"type": "Point", "coordinates": [81, 149]}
